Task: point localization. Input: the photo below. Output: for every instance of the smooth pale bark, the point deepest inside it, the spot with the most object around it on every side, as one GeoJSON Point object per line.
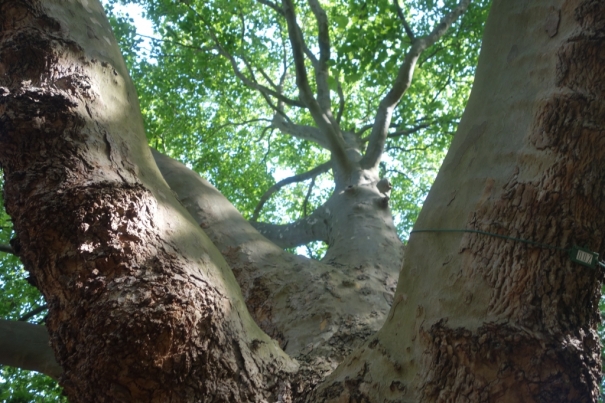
{"type": "Point", "coordinates": [478, 318]}
{"type": "Point", "coordinates": [142, 306]}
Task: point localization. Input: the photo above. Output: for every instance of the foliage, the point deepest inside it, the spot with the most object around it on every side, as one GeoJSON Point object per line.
{"type": "Point", "coordinates": [18, 386]}
{"type": "Point", "coordinates": [198, 111]}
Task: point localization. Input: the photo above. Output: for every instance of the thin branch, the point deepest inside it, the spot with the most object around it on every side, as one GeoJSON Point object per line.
{"type": "Point", "coordinates": [171, 41]}
{"type": "Point", "coordinates": [398, 172]}
{"type": "Point", "coordinates": [407, 150]}
{"type": "Point", "coordinates": [406, 26]}
{"type": "Point", "coordinates": [402, 82]}
{"type": "Point", "coordinates": [407, 132]}
{"type": "Point", "coordinates": [430, 55]}
{"type": "Point", "coordinates": [322, 70]}
{"type": "Point", "coordinates": [264, 160]}
{"type": "Point", "coordinates": [250, 83]}
{"type": "Point", "coordinates": [278, 109]}
{"type": "Point", "coordinates": [325, 167]}
{"type": "Point", "coordinates": [245, 122]}
{"type": "Point", "coordinates": [399, 133]}
{"type": "Point", "coordinates": [272, 5]}
{"type": "Point", "coordinates": [323, 119]}
{"type": "Point", "coordinates": [310, 252]}
{"type": "Point", "coordinates": [341, 99]}
{"type": "Point", "coordinates": [309, 191]}
{"type": "Point", "coordinates": [266, 77]}
{"type": "Point", "coordinates": [6, 248]}
{"type": "Point", "coordinates": [34, 312]}
{"type": "Point", "coordinates": [264, 132]}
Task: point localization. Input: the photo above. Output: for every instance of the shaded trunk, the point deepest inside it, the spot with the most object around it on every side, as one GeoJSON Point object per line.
{"type": "Point", "coordinates": [142, 307]}
{"type": "Point", "coordinates": [481, 318]}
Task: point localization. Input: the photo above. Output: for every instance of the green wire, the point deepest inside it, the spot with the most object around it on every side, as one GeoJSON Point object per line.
{"type": "Point", "coordinates": [509, 238]}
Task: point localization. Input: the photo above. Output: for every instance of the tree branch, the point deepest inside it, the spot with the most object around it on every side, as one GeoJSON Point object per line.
{"type": "Point", "coordinates": [302, 132]}
{"type": "Point", "coordinates": [262, 268]}
{"type": "Point", "coordinates": [272, 5]}
{"type": "Point", "coordinates": [402, 82]}
{"type": "Point", "coordinates": [398, 133]}
{"type": "Point", "coordinates": [6, 248]}
{"type": "Point", "coordinates": [406, 26]}
{"type": "Point", "coordinates": [341, 99]}
{"type": "Point", "coordinates": [301, 232]}
{"type": "Point", "coordinates": [306, 201]}
{"type": "Point", "coordinates": [250, 83]}
{"type": "Point", "coordinates": [323, 119]}
{"type": "Point", "coordinates": [325, 167]}
{"type": "Point", "coordinates": [321, 69]}
{"type": "Point", "coordinates": [26, 346]}
{"type": "Point", "coordinates": [34, 312]}
{"type": "Point", "coordinates": [407, 132]}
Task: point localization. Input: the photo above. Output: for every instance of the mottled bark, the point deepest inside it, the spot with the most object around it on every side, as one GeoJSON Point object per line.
{"type": "Point", "coordinates": [479, 318]}
{"type": "Point", "coordinates": [142, 307]}
{"type": "Point", "coordinates": [318, 312]}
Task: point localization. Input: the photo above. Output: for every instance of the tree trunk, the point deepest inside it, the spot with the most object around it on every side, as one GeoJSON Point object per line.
{"type": "Point", "coordinates": [481, 318]}
{"type": "Point", "coordinates": [318, 312]}
{"type": "Point", "coordinates": [142, 307]}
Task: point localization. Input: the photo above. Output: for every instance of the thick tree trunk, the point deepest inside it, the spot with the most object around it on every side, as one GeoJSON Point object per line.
{"type": "Point", "coordinates": [481, 318]}
{"type": "Point", "coordinates": [142, 307]}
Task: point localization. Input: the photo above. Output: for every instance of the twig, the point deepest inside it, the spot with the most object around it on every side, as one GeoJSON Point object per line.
{"type": "Point", "coordinates": [341, 99]}
{"type": "Point", "coordinates": [325, 167]}
{"type": "Point", "coordinates": [251, 83]}
{"type": "Point", "coordinates": [406, 26]}
{"type": "Point", "coordinates": [33, 313]}
{"type": "Point", "coordinates": [309, 191]}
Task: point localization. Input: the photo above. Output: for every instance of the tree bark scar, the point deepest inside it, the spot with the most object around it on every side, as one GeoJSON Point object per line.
{"type": "Point", "coordinates": [547, 304]}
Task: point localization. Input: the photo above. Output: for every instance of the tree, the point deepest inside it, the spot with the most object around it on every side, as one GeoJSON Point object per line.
{"type": "Point", "coordinates": [143, 306]}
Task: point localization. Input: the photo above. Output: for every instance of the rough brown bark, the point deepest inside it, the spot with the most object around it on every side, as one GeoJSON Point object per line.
{"type": "Point", "coordinates": [142, 307]}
